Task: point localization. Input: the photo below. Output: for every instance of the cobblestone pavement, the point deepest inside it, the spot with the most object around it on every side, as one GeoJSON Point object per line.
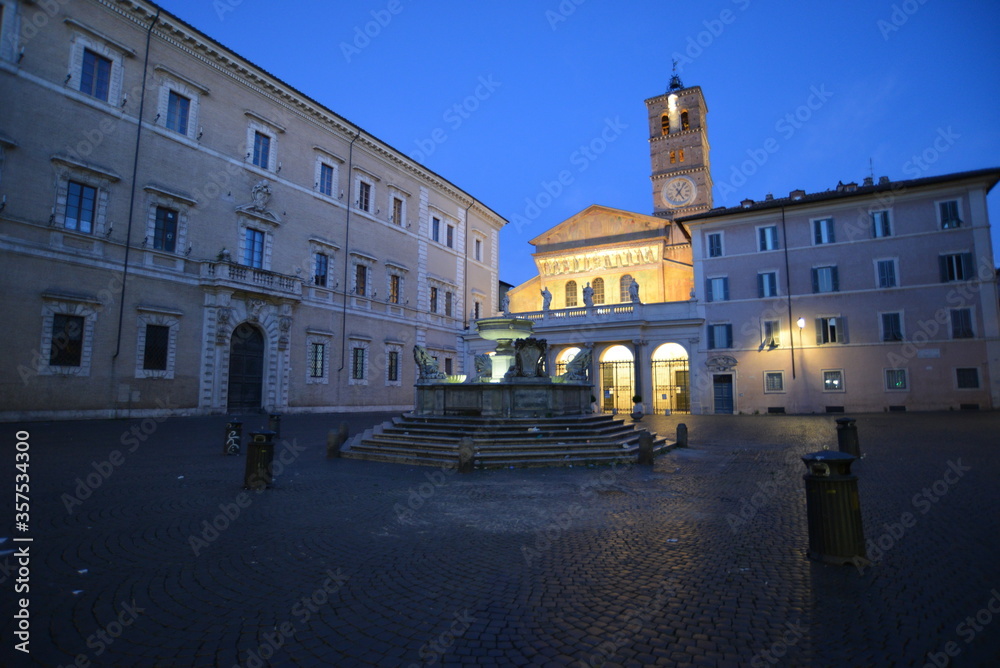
{"type": "Point", "coordinates": [147, 552]}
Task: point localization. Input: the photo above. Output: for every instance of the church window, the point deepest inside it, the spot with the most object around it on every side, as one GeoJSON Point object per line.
{"type": "Point", "coordinates": [571, 293]}
{"type": "Point", "coordinates": [681, 155]}
{"type": "Point", "coordinates": [665, 124]}
{"type": "Point", "coordinates": [685, 125]}
{"type": "Point", "coordinates": [598, 286]}
{"type": "Point", "coordinates": [673, 157]}
{"type": "Point", "coordinates": [623, 285]}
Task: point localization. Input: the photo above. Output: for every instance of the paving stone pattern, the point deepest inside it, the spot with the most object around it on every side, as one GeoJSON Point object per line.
{"type": "Point", "coordinates": [353, 563]}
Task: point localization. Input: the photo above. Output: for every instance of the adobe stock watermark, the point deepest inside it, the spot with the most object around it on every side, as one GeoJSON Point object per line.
{"type": "Point", "coordinates": [454, 116]}
{"type": "Point", "coordinates": [967, 629]}
{"type": "Point", "coordinates": [434, 650]}
{"type": "Point", "coordinates": [635, 620]}
{"type": "Point", "coordinates": [901, 13]}
{"type": "Point", "coordinates": [923, 501]}
{"type": "Point", "coordinates": [779, 648]}
{"type": "Point", "coordinates": [697, 44]}
{"type": "Point", "coordinates": [363, 35]}
{"type": "Point", "coordinates": [102, 639]}
{"type": "Point", "coordinates": [562, 12]}
{"type": "Point", "coordinates": [580, 159]}
{"type": "Point", "coordinates": [786, 126]}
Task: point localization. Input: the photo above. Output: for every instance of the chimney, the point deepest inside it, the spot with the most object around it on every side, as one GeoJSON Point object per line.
{"type": "Point", "coordinates": [768, 197]}
{"type": "Point", "coordinates": [883, 180]}
{"type": "Point", "coordinates": [797, 194]}
{"type": "Point", "coordinates": [869, 181]}
{"type": "Point", "coordinates": [747, 203]}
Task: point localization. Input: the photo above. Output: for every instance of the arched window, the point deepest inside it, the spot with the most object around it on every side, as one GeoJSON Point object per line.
{"type": "Point", "coordinates": [570, 293]}
{"type": "Point", "coordinates": [681, 156]}
{"type": "Point", "coordinates": [665, 124]}
{"type": "Point", "coordinates": [623, 284]}
{"type": "Point", "coordinates": [598, 286]}
{"type": "Point", "coordinates": [673, 157]}
{"type": "Point", "coordinates": [684, 120]}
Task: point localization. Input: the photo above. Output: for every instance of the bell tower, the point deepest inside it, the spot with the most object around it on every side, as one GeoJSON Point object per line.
{"type": "Point", "coordinates": [678, 151]}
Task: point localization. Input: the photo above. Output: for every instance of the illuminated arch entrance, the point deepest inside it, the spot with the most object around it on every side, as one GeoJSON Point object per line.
{"type": "Point", "coordinates": [565, 357]}
{"type": "Point", "coordinates": [617, 376]}
{"type": "Point", "coordinates": [671, 379]}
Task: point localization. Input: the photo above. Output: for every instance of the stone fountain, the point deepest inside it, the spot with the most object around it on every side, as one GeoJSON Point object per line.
{"type": "Point", "coordinates": [511, 382]}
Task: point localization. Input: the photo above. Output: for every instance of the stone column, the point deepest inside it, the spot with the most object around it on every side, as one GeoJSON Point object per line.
{"type": "Point", "coordinates": [637, 374]}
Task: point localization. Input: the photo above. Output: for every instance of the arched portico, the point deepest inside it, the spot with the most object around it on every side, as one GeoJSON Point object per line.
{"type": "Point", "coordinates": [616, 379]}
{"type": "Point", "coordinates": [671, 379]}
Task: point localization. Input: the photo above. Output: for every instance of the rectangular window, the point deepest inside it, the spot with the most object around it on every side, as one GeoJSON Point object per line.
{"type": "Point", "coordinates": [435, 229]}
{"type": "Point", "coordinates": [720, 336]}
{"type": "Point", "coordinates": [715, 244]}
{"type": "Point", "coordinates": [833, 380]}
{"type": "Point", "coordinates": [358, 363]}
{"type": "Point", "coordinates": [886, 273]}
{"type": "Point", "coordinates": [478, 250]}
{"type": "Point", "coordinates": [434, 300]}
{"type": "Point", "coordinates": [154, 356]}
{"type": "Point", "coordinates": [326, 179]}
{"type": "Point", "coordinates": [949, 214]}
{"type": "Point", "coordinates": [823, 231]}
{"type": "Point", "coordinates": [961, 323]}
{"type": "Point", "coordinates": [475, 310]}
{"type": "Point", "coordinates": [317, 359]}
{"type": "Point", "coordinates": [956, 267]}
{"type": "Point", "coordinates": [967, 379]}
{"type": "Point", "coordinates": [397, 211]}
{"type": "Point", "coordinates": [178, 111]}
{"type": "Point", "coordinates": [447, 366]}
{"type": "Point", "coordinates": [67, 340]}
{"type": "Point", "coordinates": [392, 366]}
{"type": "Point", "coordinates": [767, 284]}
{"type": "Point", "coordinates": [895, 379]}
{"type": "Point", "coordinates": [165, 230]}
{"type": "Point", "coordinates": [717, 289]}
{"type": "Point", "coordinates": [447, 303]}
{"type": "Point", "coordinates": [831, 330]}
{"type": "Point", "coordinates": [825, 279]}
{"type": "Point", "coordinates": [253, 253]}
{"type": "Point", "coordinates": [767, 238]}
{"type": "Point", "coordinates": [892, 327]}
{"type": "Point", "coordinates": [261, 150]}
{"type": "Point", "coordinates": [880, 224]}
{"type": "Point", "coordinates": [774, 381]}
{"type": "Point", "coordinates": [95, 78]}
{"type": "Point", "coordinates": [365, 196]}
{"type": "Point", "coordinates": [360, 280]}
{"type": "Point", "coordinates": [394, 285]}
{"type": "Point", "coordinates": [81, 205]}
{"type": "Point", "coordinates": [770, 334]}
{"type": "Point", "coordinates": [322, 268]}
{"type": "Point", "coordinates": [450, 236]}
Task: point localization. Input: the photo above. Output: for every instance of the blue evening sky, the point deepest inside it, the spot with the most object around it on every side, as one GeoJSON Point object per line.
{"type": "Point", "coordinates": [500, 97]}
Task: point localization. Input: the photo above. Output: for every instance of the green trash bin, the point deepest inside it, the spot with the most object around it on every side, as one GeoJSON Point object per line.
{"type": "Point", "coordinates": [260, 459]}
{"type": "Point", "coordinates": [836, 535]}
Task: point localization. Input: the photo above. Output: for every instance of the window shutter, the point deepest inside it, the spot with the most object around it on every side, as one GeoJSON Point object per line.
{"type": "Point", "coordinates": [708, 289]}
{"type": "Point", "coordinates": [968, 270]}
{"type": "Point", "coordinates": [711, 337]}
{"type": "Point", "coordinates": [943, 267]}
{"type": "Point", "coordinates": [832, 231]}
{"type": "Point", "coordinates": [760, 285]}
{"type": "Point", "coordinates": [729, 336]}
{"type": "Point", "coordinates": [725, 289]}
{"type": "Point", "coordinates": [841, 330]}
{"type": "Point", "coordinates": [776, 332]}
{"type": "Point", "coordinates": [815, 274]}
{"type": "Point", "coordinates": [761, 236]}
{"type": "Point", "coordinates": [834, 280]}
{"type": "Point", "coordinates": [818, 231]}
{"type": "Point", "coordinates": [819, 331]}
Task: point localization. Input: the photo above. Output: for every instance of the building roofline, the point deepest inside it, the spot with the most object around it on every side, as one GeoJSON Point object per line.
{"type": "Point", "coordinates": [991, 175]}
{"type": "Point", "coordinates": [216, 49]}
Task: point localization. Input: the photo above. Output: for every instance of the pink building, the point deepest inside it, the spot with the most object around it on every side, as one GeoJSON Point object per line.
{"type": "Point", "coordinates": [876, 297]}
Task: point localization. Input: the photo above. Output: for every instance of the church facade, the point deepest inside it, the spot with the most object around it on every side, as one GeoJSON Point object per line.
{"type": "Point", "coordinates": [880, 296]}
{"type": "Point", "coordinates": [184, 233]}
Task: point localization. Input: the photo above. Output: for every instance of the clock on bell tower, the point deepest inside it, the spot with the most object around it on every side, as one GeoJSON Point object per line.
{"type": "Point", "coordinates": [678, 151]}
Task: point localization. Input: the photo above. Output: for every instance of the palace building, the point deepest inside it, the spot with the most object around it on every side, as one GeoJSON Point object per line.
{"type": "Point", "coordinates": [872, 297]}
{"type": "Point", "coordinates": [184, 233]}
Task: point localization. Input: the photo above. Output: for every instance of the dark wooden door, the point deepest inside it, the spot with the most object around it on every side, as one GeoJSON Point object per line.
{"type": "Point", "coordinates": [246, 369]}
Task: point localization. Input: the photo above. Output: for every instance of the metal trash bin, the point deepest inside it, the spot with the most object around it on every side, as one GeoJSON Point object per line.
{"type": "Point", "coordinates": [260, 458]}
{"type": "Point", "coordinates": [836, 535]}
{"type": "Point", "coordinates": [847, 436]}
{"type": "Point", "coordinates": [234, 435]}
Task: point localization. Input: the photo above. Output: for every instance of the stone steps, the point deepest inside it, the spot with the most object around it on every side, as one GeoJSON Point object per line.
{"type": "Point", "coordinates": [565, 441]}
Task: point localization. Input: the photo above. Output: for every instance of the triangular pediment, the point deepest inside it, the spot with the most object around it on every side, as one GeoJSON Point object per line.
{"type": "Point", "coordinates": [597, 223]}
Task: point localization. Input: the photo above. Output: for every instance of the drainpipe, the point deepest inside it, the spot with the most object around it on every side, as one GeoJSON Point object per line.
{"type": "Point", "coordinates": [788, 291]}
{"type": "Point", "coordinates": [465, 289]}
{"type": "Point", "coordinates": [347, 253]}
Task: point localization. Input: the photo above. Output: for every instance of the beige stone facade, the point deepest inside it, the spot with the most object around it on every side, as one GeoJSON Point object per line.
{"type": "Point", "coordinates": [243, 248]}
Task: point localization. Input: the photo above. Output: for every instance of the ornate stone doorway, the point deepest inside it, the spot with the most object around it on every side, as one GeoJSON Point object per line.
{"type": "Point", "coordinates": [246, 369]}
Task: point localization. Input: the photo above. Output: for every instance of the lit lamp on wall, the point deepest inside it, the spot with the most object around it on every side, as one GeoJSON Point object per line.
{"type": "Point", "coordinates": [801, 322]}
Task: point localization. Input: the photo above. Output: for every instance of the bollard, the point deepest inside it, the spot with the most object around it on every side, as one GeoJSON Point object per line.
{"type": "Point", "coordinates": [847, 436]}
{"type": "Point", "coordinates": [836, 535]}
{"type": "Point", "coordinates": [645, 448]}
{"type": "Point", "coordinates": [466, 456]}
{"type": "Point", "coordinates": [682, 435]}
{"type": "Point", "coordinates": [274, 424]}
{"type": "Point", "coordinates": [335, 441]}
{"type": "Point", "coordinates": [234, 434]}
{"type": "Point", "coordinates": [260, 459]}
